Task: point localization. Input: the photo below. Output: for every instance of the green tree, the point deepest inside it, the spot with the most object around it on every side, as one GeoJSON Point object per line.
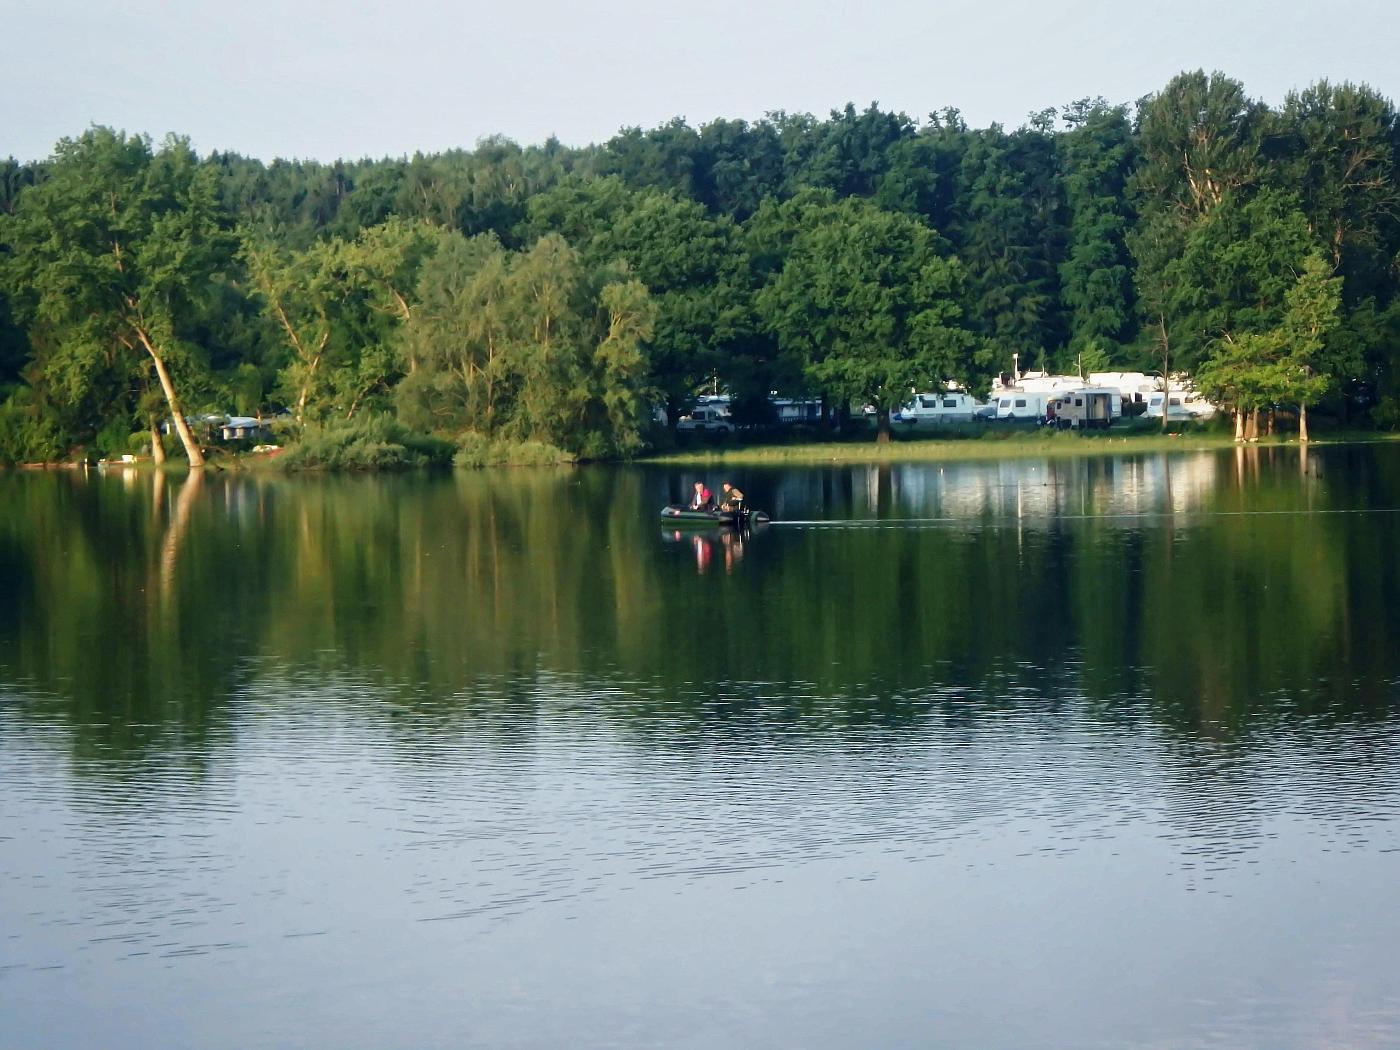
{"type": "Point", "coordinates": [1009, 235]}
{"type": "Point", "coordinates": [302, 293]}
{"type": "Point", "coordinates": [691, 263]}
{"type": "Point", "coordinates": [1339, 156]}
{"type": "Point", "coordinates": [1198, 141]}
{"type": "Point", "coordinates": [1096, 157]}
{"type": "Point", "coordinates": [870, 304]}
{"type": "Point", "coordinates": [112, 256]}
{"type": "Point", "coordinates": [1262, 308]}
{"type": "Point", "coordinates": [534, 345]}
{"type": "Point", "coordinates": [1314, 363]}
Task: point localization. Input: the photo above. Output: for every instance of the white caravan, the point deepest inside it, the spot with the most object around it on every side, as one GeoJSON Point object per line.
{"type": "Point", "coordinates": [1023, 404]}
{"type": "Point", "coordinates": [950, 406]}
{"type": "Point", "coordinates": [1184, 405]}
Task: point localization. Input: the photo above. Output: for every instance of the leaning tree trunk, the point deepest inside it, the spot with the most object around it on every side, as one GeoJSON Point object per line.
{"type": "Point", "coordinates": [157, 448]}
{"type": "Point", "coordinates": [196, 457]}
{"type": "Point", "coordinates": [1251, 427]}
{"type": "Point", "coordinates": [1302, 422]}
{"type": "Point", "coordinates": [1239, 424]}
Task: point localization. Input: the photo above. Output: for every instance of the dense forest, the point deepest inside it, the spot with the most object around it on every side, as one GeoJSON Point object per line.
{"type": "Point", "coordinates": [558, 296]}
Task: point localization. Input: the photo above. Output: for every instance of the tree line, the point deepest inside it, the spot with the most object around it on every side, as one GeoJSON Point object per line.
{"type": "Point", "coordinates": [561, 295]}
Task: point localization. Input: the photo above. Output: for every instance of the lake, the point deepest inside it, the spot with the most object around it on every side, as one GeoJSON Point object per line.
{"type": "Point", "coordinates": [1081, 752]}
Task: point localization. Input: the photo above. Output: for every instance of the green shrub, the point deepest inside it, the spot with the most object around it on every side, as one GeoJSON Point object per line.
{"type": "Point", "coordinates": [477, 450]}
{"type": "Point", "coordinates": [371, 443]}
{"type": "Point", "coordinates": [27, 433]}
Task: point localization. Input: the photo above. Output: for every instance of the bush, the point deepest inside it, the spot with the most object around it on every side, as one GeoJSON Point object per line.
{"type": "Point", "coordinates": [1386, 414]}
{"type": "Point", "coordinates": [477, 450]}
{"type": "Point", "coordinates": [27, 434]}
{"type": "Point", "coordinates": [372, 443]}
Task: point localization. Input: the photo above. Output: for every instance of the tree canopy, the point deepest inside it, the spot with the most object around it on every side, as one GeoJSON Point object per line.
{"type": "Point", "coordinates": [565, 295]}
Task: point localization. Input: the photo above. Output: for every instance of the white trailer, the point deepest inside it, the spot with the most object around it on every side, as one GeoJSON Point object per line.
{"type": "Point", "coordinates": [1185, 405]}
{"type": "Point", "coordinates": [950, 406]}
{"type": "Point", "coordinates": [1014, 405]}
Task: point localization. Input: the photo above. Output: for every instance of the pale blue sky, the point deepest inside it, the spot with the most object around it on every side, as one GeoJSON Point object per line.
{"type": "Point", "coordinates": [354, 78]}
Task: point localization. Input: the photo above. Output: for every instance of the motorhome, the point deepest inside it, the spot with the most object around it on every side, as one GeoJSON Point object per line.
{"type": "Point", "coordinates": [949, 406]}
{"type": "Point", "coordinates": [1020, 405]}
{"type": "Point", "coordinates": [1184, 405]}
{"type": "Point", "coordinates": [711, 413]}
{"type": "Point", "coordinates": [1086, 409]}
{"type": "Point", "coordinates": [1146, 390]}
{"type": "Point", "coordinates": [1133, 387]}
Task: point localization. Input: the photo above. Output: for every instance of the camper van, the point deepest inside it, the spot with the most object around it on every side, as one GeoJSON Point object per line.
{"type": "Point", "coordinates": [710, 414]}
{"type": "Point", "coordinates": [1184, 405]}
{"type": "Point", "coordinates": [1086, 409]}
{"type": "Point", "coordinates": [952, 406]}
{"type": "Point", "coordinates": [1022, 405]}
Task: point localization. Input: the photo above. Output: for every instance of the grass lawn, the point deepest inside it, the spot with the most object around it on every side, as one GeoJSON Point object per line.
{"type": "Point", "coordinates": [994, 442]}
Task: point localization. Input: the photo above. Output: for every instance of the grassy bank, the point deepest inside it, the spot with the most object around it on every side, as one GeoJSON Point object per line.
{"type": "Point", "coordinates": [994, 444]}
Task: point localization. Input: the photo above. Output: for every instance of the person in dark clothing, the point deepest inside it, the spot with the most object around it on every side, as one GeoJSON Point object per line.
{"type": "Point", "coordinates": [733, 498]}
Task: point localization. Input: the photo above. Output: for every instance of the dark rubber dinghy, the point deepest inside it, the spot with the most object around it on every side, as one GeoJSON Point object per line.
{"type": "Point", "coordinates": [708, 519]}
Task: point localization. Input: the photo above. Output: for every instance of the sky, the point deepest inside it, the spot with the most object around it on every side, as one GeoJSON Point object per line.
{"type": "Point", "coordinates": [320, 80]}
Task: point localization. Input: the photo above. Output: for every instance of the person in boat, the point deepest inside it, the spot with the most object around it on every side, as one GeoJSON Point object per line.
{"type": "Point", "coordinates": [733, 498]}
{"type": "Point", "coordinates": [702, 499]}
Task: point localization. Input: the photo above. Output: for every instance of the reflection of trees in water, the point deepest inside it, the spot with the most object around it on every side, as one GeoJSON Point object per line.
{"type": "Point", "coordinates": [99, 611]}
{"type": "Point", "coordinates": [151, 606]}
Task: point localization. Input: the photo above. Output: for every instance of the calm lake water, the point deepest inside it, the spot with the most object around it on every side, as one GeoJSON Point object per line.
{"type": "Point", "coordinates": [1096, 752]}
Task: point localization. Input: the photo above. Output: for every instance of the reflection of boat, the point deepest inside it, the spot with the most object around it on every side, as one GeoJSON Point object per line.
{"type": "Point", "coordinates": [709, 544]}
{"type": "Point", "coordinates": [683, 517]}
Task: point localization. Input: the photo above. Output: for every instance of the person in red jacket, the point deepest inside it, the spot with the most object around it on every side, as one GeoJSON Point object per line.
{"type": "Point", "coordinates": [702, 499]}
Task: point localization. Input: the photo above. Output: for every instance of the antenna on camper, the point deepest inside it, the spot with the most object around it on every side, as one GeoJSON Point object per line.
{"type": "Point", "coordinates": [1015, 367]}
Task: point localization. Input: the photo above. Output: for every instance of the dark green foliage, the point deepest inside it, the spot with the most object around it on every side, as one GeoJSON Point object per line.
{"type": "Point", "coordinates": [845, 257]}
{"type": "Point", "coordinates": [1010, 235]}
{"type": "Point", "coordinates": [867, 301]}
{"type": "Point", "coordinates": [477, 450]}
{"type": "Point", "coordinates": [371, 443]}
{"type": "Point", "coordinates": [1096, 157]}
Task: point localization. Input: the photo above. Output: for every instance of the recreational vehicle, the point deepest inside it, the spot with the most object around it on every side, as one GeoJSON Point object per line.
{"type": "Point", "coordinates": [1184, 405]}
{"type": "Point", "coordinates": [1086, 409]}
{"type": "Point", "coordinates": [950, 406]}
{"type": "Point", "coordinates": [1015, 405]}
{"type": "Point", "coordinates": [710, 413]}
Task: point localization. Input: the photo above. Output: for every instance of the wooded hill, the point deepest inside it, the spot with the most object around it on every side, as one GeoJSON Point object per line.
{"type": "Point", "coordinates": [557, 295]}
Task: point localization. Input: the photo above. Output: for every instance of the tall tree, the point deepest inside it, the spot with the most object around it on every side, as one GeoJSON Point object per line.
{"type": "Point", "coordinates": [1338, 155]}
{"type": "Point", "coordinates": [1199, 141]}
{"type": "Point", "coordinates": [303, 294]}
{"type": "Point", "coordinates": [690, 262]}
{"type": "Point", "coordinates": [1009, 236]}
{"type": "Point", "coordinates": [113, 253]}
{"type": "Point", "coordinates": [1096, 156]}
{"type": "Point", "coordinates": [871, 304]}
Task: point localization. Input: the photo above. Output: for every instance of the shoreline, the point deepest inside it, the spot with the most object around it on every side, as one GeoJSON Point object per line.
{"type": "Point", "coordinates": [1010, 446]}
